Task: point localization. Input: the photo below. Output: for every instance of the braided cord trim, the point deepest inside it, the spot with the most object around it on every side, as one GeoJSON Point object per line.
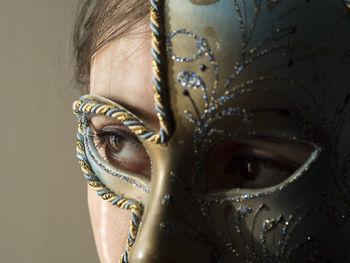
{"type": "Point", "coordinates": [158, 64]}
{"type": "Point", "coordinates": [93, 107]}
{"type": "Point", "coordinates": [137, 127]}
{"type": "Point", "coordinates": [106, 194]}
{"type": "Point", "coordinates": [160, 94]}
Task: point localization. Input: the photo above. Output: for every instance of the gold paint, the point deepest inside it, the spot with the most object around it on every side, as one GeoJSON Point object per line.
{"type": "Point", "coordinates": [156, 94]}
{"type": "Point", "coordinates": [154, 14]}
{"type": "Point", "coordinates": [84, 165]}
{"type": "Point", "coordinates": [155, 139]}
{"type": "Point", "coordinates": [160, 117]}
{"type": "Point", "coordinates": [157, 77]}
{"type": "Point", "coordinates": [125, 118]}
{"type": "Point", "coordinates": [139, 131]}
{"type": "Point", "coordinates": [95, 184]}
{"type": "Point", "coordinates": [133, 229]}
{"type": "Point", "coordinates": [122, 116]}
{"type": "Point", "coordinates": [80, 127]}
{"type": "Point", "coordinates": [155, 40]}
{"type": "Point", "coordinates": [89, 106]}
{"type": "Point", "coordinates": [121, 203]}
{"type": "Point", "coordinates": [77, 104]}
{"type": "Point", "coordinates": [204, 2]}
{"type": "Point", "coordinates": [107, 196]}
{"type": "Point", "coordinates": [80, 145]}
{"type": "Point", "coordinates": [155, 66]}
{"type": "Point", "coordinates": [103, 110]}
{"type": "Point", "coordinates": [136, 208]}
{"type": "Point", "coordinates": [80, 148]}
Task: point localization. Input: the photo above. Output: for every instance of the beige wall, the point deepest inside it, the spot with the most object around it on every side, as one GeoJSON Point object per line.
{"type": "Point", "coordinates": [43, 211]}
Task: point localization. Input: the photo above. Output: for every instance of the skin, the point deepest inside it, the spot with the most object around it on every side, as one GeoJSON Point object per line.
{"type": "Point", "coordinates": [121, 68]}
{"type": "Point", "coordinates": [122, 72]}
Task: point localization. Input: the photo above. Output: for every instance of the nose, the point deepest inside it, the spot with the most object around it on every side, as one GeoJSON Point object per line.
{"type": "Point", "coordinates": [170, 230]}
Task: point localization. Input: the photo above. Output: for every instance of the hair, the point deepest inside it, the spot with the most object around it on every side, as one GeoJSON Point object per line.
{"type": "Point", "coordinates": [98, 23]}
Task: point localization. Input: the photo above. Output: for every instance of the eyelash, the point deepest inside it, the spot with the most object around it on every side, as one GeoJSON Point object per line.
{"type": "Point", "coordinates": [102, 135]}
{"type": "Point", "coordinates": [266, 162]}
{"type": "Point", "coordinates": [120, 148]}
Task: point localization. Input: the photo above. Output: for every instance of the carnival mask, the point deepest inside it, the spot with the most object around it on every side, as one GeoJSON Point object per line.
{"type": "Point", "coordinates": [251, 162]}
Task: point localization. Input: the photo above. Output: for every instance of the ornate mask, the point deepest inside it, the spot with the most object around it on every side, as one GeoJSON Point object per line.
{"type": "Point", "coordinates": [251, 162]}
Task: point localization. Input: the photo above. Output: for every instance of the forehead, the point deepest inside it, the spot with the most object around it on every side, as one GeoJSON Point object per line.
{"type": "Point", "coordinates": [122, 72]}
{"type": "Point", "coordinates": [288, 61]}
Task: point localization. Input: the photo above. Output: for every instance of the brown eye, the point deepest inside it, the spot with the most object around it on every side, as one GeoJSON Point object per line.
{"type": "Point", "coordinates": [121, 148]}
{"type": "Point", "coordinates": [115, 143]}
{"type": "Point", "coordinates": [248, 168]}
{"type": "Point", "coordinates": [257, 171]}
{"type": "Point", "coordinates": [253, 164]}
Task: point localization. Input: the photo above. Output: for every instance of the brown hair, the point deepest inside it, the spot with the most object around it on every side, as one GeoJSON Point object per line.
{"type": "Point", "coordinates": [98, 23]}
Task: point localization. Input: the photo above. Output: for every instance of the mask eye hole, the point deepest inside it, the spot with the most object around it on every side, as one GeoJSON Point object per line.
{"type": "Point", "coordinates": [254, 163]}
{"type": "Point", "coordinates": [120, 147]}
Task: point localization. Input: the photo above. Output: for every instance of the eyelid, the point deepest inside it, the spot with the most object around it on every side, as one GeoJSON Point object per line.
{"type": "Point", "coordinates": [99, 122]}
{"type": "Point", "coordinates": [265, 155]}
{"type": "Point", "coordinates": [282, 153]}
{"type": "Point", "coordinates": [288, 151]}
{"type": "Point", "coordinates": [137, 164]}
{"type": "Point", "coordinates": [117, 130]}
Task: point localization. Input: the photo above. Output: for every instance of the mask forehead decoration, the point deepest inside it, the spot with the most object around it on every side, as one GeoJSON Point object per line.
{"type": "Point", "coordinates": [251, 163]}
{"type": "Point", "coordinates": [241, 69]}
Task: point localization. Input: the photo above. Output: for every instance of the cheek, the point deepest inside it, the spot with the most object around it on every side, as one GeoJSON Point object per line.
{"type": "Point", "coordinates": [110, 226]}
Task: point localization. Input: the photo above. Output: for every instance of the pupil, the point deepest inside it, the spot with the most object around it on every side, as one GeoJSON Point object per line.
{"type": "Point", "coordinates": [114, 140]}
{"type": "Point", "coordinates": [249, 169]}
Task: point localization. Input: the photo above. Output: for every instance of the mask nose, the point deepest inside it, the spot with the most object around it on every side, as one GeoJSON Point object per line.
{"type": "Point", "coordinates": [171, 229]}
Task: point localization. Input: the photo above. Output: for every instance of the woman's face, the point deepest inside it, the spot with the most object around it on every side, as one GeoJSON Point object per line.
{"type": "Point", "coordinates": [255, 164]}
{"type": "Point", "coordinates": [122, 72]}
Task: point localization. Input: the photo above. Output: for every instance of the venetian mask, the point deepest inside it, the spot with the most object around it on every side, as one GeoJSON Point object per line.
{"type": "Point", "coordinates": [251, 162]}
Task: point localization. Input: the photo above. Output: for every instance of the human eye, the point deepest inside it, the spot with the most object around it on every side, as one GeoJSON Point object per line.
{"type": "Point", "coordinates": [121, 148]}
{"type": "Point", "coordinates": [254, 165]}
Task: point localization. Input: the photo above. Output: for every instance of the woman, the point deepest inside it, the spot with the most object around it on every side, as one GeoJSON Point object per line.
{"type": "Point", "coordinates": [227, 142]}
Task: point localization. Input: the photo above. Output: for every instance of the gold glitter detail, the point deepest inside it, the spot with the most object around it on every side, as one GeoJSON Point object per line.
{"type": "Point", "coordinates": [155, 15]}
{"type": "Point", "coordinates": [122, 116]}
{"type": "Point", "coordinates": [107, 196]}
{"type": "Point", "coordinates": [95, 184]}
{"type": "Point", "coordinates": [155, 66]}
{"type": "Point", "coordinates": [104, 109]}
{"type": "Point", "coordinates": [155, 40]}
{"type": "Point", "coordinates": [89, 106]}
{"type": "Point", "coordinates": [77, 104]}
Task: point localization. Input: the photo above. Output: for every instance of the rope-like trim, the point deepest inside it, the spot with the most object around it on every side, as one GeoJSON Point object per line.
{"type": "Point", "coordinates": [159, 91]}
{"type": "Point", "coordinates": [137, 127]}
{"type": "Point", "coordinates": [160, 94]}
{"type": "Point", "coordinates": [106, 194]}
{"type": "Point", "coordinates": [93, 107]}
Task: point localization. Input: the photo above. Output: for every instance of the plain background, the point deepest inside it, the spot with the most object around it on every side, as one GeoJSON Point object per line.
{"type": "Point", "coordinates": [43, 209]}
